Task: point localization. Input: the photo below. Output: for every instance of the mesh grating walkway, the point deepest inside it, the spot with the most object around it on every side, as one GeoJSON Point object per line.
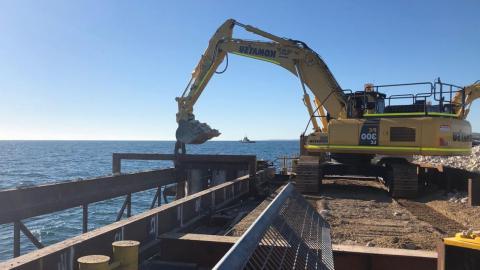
{"type": "Point", "coordinates": [289, 234]}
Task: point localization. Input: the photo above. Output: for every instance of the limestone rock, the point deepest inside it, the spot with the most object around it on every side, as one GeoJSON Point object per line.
{"type": "Point", "coordinates": [470, 163]}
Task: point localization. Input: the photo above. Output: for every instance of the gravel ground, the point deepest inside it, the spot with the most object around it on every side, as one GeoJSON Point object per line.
{"type": "Point", "coordinates": [455, 207]}
{"type": "Point", "coordinates": [361, 213]}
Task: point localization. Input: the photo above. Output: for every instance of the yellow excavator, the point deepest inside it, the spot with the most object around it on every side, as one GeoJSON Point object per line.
{"type": "Point", "coordinates": [356, 126]}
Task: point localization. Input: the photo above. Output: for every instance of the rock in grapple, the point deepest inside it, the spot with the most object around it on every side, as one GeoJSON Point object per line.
{"type": "Point", "coordinates": [194, 132]}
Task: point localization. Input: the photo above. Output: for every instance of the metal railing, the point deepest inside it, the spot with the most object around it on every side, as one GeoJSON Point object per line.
{"type": "Point", "coordinates": [288, 234]}
{"type": "Point", "coordinates": [145, 228]}
{"type": "Point", "coordinates": [442, 93]}
{"type": "Point", "coordinates": [19, 204]}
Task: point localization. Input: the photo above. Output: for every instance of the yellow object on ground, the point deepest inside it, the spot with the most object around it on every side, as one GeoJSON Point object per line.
{"type": "Point", "coordinates": [93, 262]}
{"type": "Point", "coordinates": [467, 239]}
{"type": "Point", "coordinates": [126, 253]}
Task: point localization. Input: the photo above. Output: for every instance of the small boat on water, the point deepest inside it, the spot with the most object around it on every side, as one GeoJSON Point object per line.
{"type": "Point", "coordinates": [246, 140]}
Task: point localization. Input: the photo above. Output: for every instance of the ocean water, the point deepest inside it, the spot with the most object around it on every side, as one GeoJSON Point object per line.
{"type": "Point", "coordinates": [30, 163]}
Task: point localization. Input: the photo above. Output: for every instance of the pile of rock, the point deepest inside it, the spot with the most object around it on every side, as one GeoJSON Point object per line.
{"type": "Point", "coordinates": [457, 197]}
{"type": "Point", "coordinates": [470, 163]}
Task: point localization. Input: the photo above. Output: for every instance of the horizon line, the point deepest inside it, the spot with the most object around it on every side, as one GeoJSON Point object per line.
{"type": "Point", "coordinates": [135, 140]}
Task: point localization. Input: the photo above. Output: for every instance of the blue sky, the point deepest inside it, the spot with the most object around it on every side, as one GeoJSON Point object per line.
{"type": "Point", "coordinates": [111, 69]}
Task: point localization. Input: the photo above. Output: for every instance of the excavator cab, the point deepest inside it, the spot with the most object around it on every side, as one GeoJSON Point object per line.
{"type": "Point", "coordinates": [361, 102]}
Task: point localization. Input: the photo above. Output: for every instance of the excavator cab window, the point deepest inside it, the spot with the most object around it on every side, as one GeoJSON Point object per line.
{"type": "Point", "coordinates": [362, 102]}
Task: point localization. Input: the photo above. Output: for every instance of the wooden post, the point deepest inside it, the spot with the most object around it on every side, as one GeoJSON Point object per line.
{"type": "Point", "coordinates": [474, 191]}
{"type": "Point", "coordinates": [441, 255]}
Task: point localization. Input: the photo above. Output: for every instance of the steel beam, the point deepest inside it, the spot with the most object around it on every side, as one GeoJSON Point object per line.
{"type": "Point", "coordinates": [85, 218]}
{"type": "Point", "coordinates": [122, 209]}
{"type": "Point", "coordinates": [129, 205]}
{"type": "Point", "coordinates": [155, 199]}
{"type": "Point", "coordinates": [29, 235]}
{"type": "Point", "coordinates": [16, 239]}
{"type": "Point", "coordinates": [34, 201]}
{"type": "Point", "coordinates": [185, 158]}
{"type": "Point", "coordinates": [193, 161]}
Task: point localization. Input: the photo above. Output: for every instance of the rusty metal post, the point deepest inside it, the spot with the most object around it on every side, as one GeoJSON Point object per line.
{"type": "Point", "coordinates": [124, 205]}
{"type": "Point", "coordinates": [155, 198]}
{"type": "Point", "coordinates": [85, 218]}
{"type": "Point", "coordinates": [16, 239]}
{"type": "Point", "coordinates": [474, 191]}
{"type": "Point", "coordinates": [129, 205]}
{"type": "Point", "coordinates": [441, 255]}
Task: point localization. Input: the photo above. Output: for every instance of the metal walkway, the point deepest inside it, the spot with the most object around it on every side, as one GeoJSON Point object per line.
{"type": "Point", "coordinates": [288, 234]}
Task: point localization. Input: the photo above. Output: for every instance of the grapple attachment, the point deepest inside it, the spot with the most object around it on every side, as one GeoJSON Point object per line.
{"type": "Point", "coordinates": [194, 132]}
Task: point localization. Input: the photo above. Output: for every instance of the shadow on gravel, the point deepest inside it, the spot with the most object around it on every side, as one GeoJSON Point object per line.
{"type": "Point", "coordinates": [353, 189]}
{"type": "Point", "coordinates": [441, 223]}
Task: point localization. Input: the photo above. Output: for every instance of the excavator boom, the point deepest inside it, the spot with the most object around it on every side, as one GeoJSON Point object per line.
{"type": "Point", "coordinates": [294, 56]}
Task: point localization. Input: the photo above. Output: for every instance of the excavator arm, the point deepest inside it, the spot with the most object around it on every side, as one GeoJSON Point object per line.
{"type": "Point", "coordinates": [469, 94]}
{"type": "Point", "coordinates": [294, 56]}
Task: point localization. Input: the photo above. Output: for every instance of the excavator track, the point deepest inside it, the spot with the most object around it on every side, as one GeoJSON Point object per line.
{"type": "Point", "coordinates": [402, 179]}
